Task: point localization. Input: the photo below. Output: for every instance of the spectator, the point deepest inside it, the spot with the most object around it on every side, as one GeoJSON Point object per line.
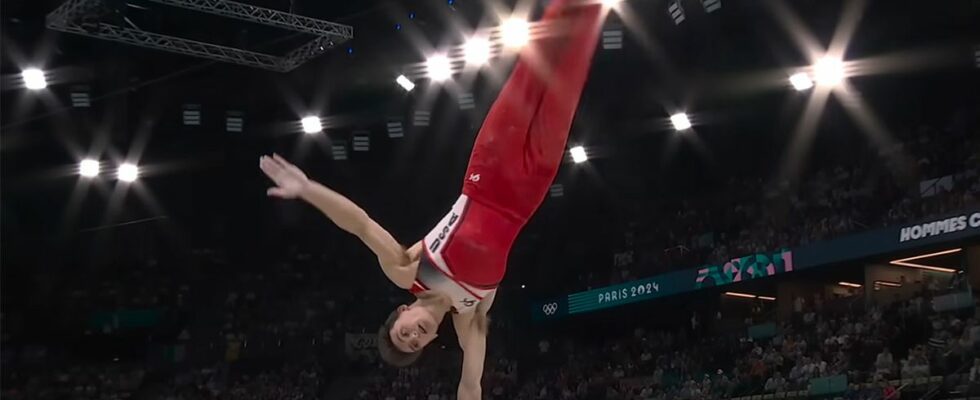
{"type": "Point", "coordinates": [916, 365]}
{"type": "Point", "coordinates": [889, 392]}
{"type": "Point", "coordinates": [885, 363]}
{"type": "Point", "coordinates": [776, 384]}
{"type": "Point", "coordinates": [974, 377]}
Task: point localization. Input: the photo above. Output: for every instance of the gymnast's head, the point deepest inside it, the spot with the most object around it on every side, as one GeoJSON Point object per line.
{"type": "Point", "coordinates": [406, 332]}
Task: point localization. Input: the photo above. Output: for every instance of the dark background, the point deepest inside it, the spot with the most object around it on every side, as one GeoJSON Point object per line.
{"type": "Point", "coordinates": [201, 188]}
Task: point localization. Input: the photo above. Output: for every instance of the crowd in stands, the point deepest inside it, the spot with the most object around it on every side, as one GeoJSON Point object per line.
{"type": "Point", "coordinates": [131, 381]}
{"type": "Point", "coordinates": [927, 172]}
{"type": "Point", "coordinates": [875, 346]}
{"type": "Point", "coordinates": [144, 284]}
{"type": "Point", "coordinates": [290, 382]}
{"type": "Point", "coordinates": [89, 382]}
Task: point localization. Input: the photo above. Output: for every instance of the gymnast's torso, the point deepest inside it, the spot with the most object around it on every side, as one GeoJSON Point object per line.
{"type": "Point", "coordinates": [465, 255]}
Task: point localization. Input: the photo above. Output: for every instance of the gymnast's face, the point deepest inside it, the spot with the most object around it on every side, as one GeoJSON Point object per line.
{"type": "Point", "coordinates": [414, 329]}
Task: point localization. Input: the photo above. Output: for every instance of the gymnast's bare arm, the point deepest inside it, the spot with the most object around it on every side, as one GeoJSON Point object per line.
{"type": "Point", "coordinates": [471, 329]}
{"type": "Point", "coordinates": [398, 264]}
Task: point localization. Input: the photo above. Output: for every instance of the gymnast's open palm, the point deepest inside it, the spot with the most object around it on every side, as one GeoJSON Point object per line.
{"type": "Point", "coordinates": [290, 181]}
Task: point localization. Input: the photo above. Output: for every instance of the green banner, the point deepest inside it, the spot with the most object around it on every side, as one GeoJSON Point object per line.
{"type": "Point", "coordinates": [737, 270]}
{"type": "Point", "coordinates": [947, 229]}
{"type": "Point", "coordinates": [763, 331]}
{"type": "Point", "coordinates": [828, 385]}
{"type": "Point", "coordinates": [630, 292]}
{"type": "Point", "coordinates": [745, 269]}
{"type": "Point", "coordinates": [125, 319]}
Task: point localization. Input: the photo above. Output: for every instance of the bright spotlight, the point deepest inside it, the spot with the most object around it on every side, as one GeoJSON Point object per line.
{"type": "Point", "coordinates": [439, 68]}
{"type": "Point", "coordinates": [477, 51]}
{"type": "Point", "coordinates": [312, 125]}
{"type": "Point", "coordinates": [515, 32]}
{"type": "Point", "coordinates": [578, 154]}
{"type": "Point", "coordinates": [34, 79]}
{"type": "Point", "coordinates": [680, 121]}
{"type": "Point", "coordinates": [801, 81]}
{"type": "Point", "coordinates": [829, 71]}
{"type": "Point", "coordinates": [89, 168]}
{"type": "Point", "coordinates": [128, 172]}
{"type": "Point", "coordinates": [405, 83]}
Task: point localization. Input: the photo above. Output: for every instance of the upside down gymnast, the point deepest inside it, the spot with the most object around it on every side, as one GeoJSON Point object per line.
{"type": "Point", "coordinates": [456, 268]}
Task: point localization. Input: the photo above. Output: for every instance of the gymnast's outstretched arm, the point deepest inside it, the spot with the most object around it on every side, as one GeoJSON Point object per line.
{"type": "Point", "coordinates": [291, 183]}
{"type": "Point", "coordinates": [471, 329]}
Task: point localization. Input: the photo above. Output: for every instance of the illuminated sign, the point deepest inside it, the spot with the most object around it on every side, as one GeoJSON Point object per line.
{"type": "Point", "coordinates": [736, 270]}
{"type": "Point", "coordinates": [940, 227]}
{"type": "Point", "coordinates": [959, 226]}
{"type": "Point", "coordinates": [745, 269]}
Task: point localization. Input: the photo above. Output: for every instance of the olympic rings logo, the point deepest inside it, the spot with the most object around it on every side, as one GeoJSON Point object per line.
{"type": "Point", "coordinates": [550, 308]}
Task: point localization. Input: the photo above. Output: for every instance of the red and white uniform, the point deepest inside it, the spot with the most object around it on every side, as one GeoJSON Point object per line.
{"type": "Point", "coordinates": [514, 160]}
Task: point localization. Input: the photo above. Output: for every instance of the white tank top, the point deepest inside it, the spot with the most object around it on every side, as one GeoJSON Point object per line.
{"type": "Point", "coordinates": [433, 272]}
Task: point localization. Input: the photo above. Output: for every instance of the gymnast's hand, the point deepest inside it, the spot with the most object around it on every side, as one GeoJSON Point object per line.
{"type": "Point", "coordinates": [290, 181]}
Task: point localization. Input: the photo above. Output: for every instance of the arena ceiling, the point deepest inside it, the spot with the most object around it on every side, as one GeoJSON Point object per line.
{"type": "Point", "coordinates": [727, 69]}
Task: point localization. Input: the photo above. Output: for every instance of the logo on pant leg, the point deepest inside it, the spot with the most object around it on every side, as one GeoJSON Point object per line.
{"type": "Point", "coordinates": [474, 178]}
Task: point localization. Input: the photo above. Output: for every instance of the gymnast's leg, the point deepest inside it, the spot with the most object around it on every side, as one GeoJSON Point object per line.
{"type": "Point", "coordinates": [522, 141]}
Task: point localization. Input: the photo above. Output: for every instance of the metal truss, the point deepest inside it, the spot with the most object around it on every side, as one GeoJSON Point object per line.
{"type": "Point", "coordinates": [84, 17]}
{"type": "Point", "coordinates": [265, 16]}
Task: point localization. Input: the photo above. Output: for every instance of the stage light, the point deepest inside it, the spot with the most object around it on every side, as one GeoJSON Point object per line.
{"type": "Point", "coordinates": [742, 295]}
{"type": "Point", "coordinates": [439, 68]}
{"type": "Point", "coordinates": [80, 97]}
{"type": "Point", "coordinates": [523, 286]}
{"type": "Point", "coordinates": [466, 101]}
{"type": "Point", "coordinates": [89, 168]}
{"type": "Point", "coordinates": [34, 79]}
{"type": "Point", "coordinates": [405, 83]}
{"type": "Point", "coordinates": [477, 51]}
{"type": "Point", "coordinates": [711, 5]}
{"type": "Point", "coordinates": [829, 71]}
{"type": "Point", "coordinates": [396, 129]}
{"type": "Point", "coordinates": [234, 121]}
{"type": "Point", "coordinates": [849, 284]}
{"type": "Point", "coordinates": [557, 190]}
{"type": "Point", "coordinates": [938, 253]}
{"type": "Point", "coordinates": [339, 150]}
{"type": "Point", "coordinates": [578, 154]}
{"type": "Point", "coordinates": [888, 283]}
{"type": "Point", "coordinates": [515, 32]}
{"type": "Point", "coordinates": [904, 262]}
{"type": "Point", "coordinates": [192, 114]}
{"type": "Point", "coordinates": [362, 141]}
{"type": "Point", "coordinates": [676, 11]}
{"type": "Point", "coordinates": [612, 39]}
{"type": "Point", "coordinates": [800, 81]}
{"type": "Point", "coordinates": [422, 118]}
{"type": "Point", "coordinates": [312, 125]}
{"type": "Point", "coordinates": [128, 172]}
{"type": "Point", "coordinates": [680, 121]}
{"type": "Point", "coordinates": [767, 298]}
{"type": "Point", "coordinates": [610, 3]}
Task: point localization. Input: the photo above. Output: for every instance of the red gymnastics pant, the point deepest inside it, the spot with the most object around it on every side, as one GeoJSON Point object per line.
{"type": "Point", "coordinates": [519, 148]}
{"type": "Point", "coordinates": [522, 141]}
